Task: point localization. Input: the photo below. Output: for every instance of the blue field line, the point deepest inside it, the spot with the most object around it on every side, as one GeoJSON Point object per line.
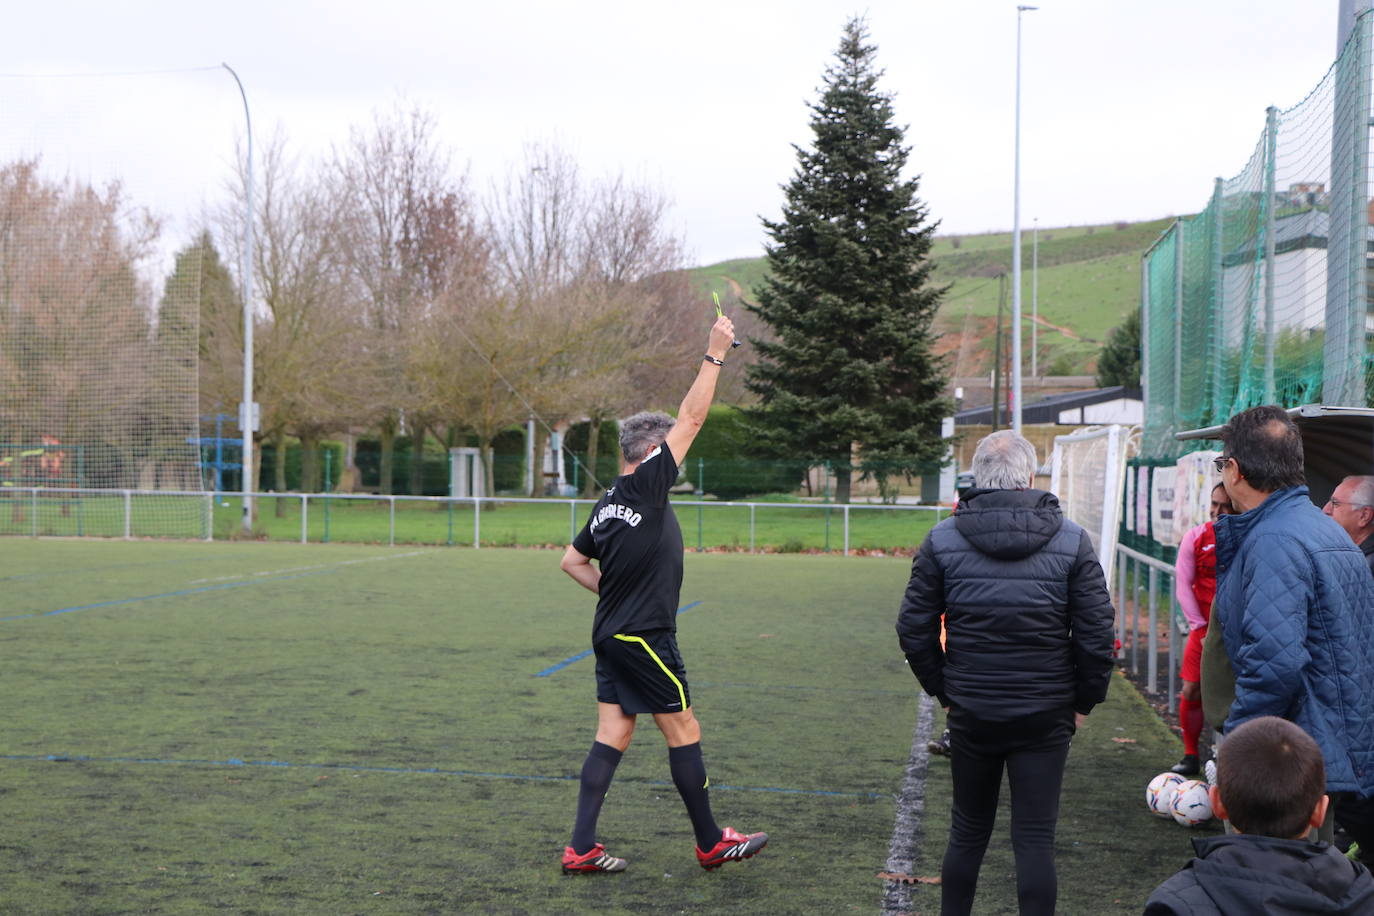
{"type": "Point", "coordinates": [418, 771]}
{"type": "Point", "coordinates": [552, 669]}
{"type": "Point", "coordinates": [185, 591]}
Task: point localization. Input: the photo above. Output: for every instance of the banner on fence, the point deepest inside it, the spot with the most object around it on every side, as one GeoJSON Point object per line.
{"type": "Point", "coordinates": [1163, 486]}
{"type": "Point", "coordinates": [1197, 475]}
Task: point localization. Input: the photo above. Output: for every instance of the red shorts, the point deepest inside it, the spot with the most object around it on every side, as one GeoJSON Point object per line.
{"type": "Point", "coordinates": [1192, 656]}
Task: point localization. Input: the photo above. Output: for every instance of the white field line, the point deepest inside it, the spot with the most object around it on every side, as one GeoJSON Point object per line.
{"type": "Point", "coordinates": [297, 569]}
{"type": "Point", "coordinates": [911, 804]}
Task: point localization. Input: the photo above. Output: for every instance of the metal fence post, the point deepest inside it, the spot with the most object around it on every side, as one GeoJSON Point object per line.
{"type": "Point", "coordinates": [1173, 642]}
{"type": "Point", "coordinates": [572, 520]}
{"type": "Point", "coordinates": [476, 523]}
{"type": "Point", "coordinates": [751, 527]}
{"type": "Point", "coordinates": [128, 515]}
{"type": "Point", "coordinates": [305, 499]}
{"type": "Point", "coordinates": [1152, 666]}
{"type": "Point", "coordinates": [391, 537]}
{"type": "Point", "coordinates": [1135, 618]}
{"type": "Point", "coordinates": [209, 516]}
{"type": "Point", "coordinates": [846, 529]}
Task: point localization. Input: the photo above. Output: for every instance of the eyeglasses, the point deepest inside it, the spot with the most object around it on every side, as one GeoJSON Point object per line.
{"type": "Point", "coordinates": [1337, 503]}
{"type": "Point", "coordinates": [1220, 463]}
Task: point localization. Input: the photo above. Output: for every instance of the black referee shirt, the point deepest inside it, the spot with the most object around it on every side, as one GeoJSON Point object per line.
{"type": "Point", "coordinates": [634, 534]}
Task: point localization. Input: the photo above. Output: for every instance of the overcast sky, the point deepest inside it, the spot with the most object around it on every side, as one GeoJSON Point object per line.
{"type": "Point", "coordinates": [1129, 109]}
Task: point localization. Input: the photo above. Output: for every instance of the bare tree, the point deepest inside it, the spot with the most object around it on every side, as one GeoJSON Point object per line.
{"type": "Point", "coordinates": [400, 206]}
{"type": "Point", "coordinates": [314, 373]}
{"type": "Point", "coordinates": [595, 274]}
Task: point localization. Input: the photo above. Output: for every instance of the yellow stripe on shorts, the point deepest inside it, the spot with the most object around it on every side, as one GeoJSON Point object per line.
{"type": "Point", "coordinates": [682, 695]}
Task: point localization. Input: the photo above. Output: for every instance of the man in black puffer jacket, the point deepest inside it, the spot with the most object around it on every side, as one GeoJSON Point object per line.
{"type": "Point", "coordinates": [1028, 653]}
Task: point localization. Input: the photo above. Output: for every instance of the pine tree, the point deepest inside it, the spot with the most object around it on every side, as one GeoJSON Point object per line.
{"type": "Point", "coordinates": [1118, 363]}
{"type": "Point", "coordinates": [850, 300]}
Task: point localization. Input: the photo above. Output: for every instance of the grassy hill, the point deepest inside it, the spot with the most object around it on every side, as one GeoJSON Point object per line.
{"type": "Point", "coordinates": [1089, 279]}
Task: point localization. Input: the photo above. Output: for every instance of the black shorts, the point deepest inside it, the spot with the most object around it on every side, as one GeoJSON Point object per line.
{"type": "Point", "coordinates": [642, 673]}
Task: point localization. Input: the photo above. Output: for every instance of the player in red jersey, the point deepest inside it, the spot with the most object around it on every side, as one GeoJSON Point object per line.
{"type": "Point", "coordinates": [1195, 583]}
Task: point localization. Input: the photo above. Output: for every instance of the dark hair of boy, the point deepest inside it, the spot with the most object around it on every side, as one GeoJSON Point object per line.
{"type": "Point", "coordinates": [1270, 777]}
{"type": "Point", "coordinates": [1267, 447]}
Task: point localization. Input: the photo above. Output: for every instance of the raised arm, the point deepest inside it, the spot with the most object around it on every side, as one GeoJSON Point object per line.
{"type": "Point", "coordinates": [692, 413]}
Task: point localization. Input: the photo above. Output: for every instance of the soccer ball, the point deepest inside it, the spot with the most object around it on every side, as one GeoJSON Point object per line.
{"type": "Point", "coordinates": [1191, 806]}
{"type": "Point", "coordinates": [1159, 794]}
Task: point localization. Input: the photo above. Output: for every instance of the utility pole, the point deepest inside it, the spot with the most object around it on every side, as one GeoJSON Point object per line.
{"type": "Point", "coordinates": [997, 355]}
{"type": "Point", "coordinates": [1035, 286]}
{"type": "Point", "coordinates": [1016, 246]}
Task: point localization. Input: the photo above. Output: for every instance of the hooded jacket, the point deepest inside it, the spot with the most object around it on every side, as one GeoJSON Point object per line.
{"type": "Point", "coordinates": [1241, 875]}
{"type": "Point", "coordinates": [1028, 617]}
{"type": "Point", "coordinates": [1295, 603]}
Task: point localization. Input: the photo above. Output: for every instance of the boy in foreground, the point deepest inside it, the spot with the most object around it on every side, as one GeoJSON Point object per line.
{"type": "Point", "coordinates": [1271, 786]}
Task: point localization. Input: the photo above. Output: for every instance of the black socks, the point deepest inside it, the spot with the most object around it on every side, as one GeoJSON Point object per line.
{"type": "Point", "coordinates": [597, 772]}
{"type": "Point", "coordinates": [689, 775]}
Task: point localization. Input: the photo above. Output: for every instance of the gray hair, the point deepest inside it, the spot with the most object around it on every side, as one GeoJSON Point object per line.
{"type": "Point", "coordinates": [1363, 492]}
{"type": "Point", "coordinates": [1004, 460]}
{"type": "Point", "coordinates": [642, 433]}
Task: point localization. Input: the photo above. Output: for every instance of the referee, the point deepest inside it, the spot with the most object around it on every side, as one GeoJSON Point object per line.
{"type": "Point", "coordinates": [635, 538]}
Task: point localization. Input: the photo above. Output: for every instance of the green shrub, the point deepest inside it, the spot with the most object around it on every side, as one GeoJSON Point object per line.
{"type": "Point", "coordinates": [268, 458]}
{"type": "Point", "coordinates": [719, 464]}
{"type": "Point", "coordinates": [607, 451]}
{"type": "Point", "coordinates": [367, 455]}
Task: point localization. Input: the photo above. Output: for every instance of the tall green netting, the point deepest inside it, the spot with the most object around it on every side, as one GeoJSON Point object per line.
{"type": "Point", "coordinates": [1263, 297]}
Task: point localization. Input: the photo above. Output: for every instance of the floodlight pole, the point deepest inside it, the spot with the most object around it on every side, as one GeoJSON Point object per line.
{"type": "Point", "coordinates": [247, 415]}
{"type": "Point", "coordinates": [1016, 246]}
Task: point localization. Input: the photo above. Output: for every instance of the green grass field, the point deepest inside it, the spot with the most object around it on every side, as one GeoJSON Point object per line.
{"type": "Point", "coordinates": [272, 728]}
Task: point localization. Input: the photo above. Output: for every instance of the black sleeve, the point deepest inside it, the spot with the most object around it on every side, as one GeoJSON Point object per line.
{"type": "Point", "coordinates": [584, 543]}
{"type": "Point", "coordinates": [654, 477]}
{"type": "Point", "coordinates": [1092, 622]}
{"type": "Point", "coordinates": [918, 622]}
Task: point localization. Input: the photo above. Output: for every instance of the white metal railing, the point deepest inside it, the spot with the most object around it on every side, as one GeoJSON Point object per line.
{"type": "Point", "coordinates": [1129, 565]}
{"type": "Point", "coordinates": [65, 495]}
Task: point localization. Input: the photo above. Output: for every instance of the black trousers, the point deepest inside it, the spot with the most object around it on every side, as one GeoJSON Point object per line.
{"type": "Point", "coordinates": [1032, 751]}
{"type": "Point", "coordinates": [1355, 814]}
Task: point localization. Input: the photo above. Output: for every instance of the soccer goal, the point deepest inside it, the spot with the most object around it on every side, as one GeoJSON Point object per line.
{"type": "Point", "coordinates": [1088, 474]}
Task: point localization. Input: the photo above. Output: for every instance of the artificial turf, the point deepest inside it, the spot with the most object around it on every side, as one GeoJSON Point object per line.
{"type": "Point", "coordinates": [275, 728]}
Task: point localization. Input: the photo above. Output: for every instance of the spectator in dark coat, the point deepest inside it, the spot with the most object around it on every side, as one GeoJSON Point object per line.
{"type": "Point", "coordinates": [1028, 654]}
{"type": "Point", "coordinates": [1295, 605]}
{"type": "Point", "coordinates": [1270, 782]}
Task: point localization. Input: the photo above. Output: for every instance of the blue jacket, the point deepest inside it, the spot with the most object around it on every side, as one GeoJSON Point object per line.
{"type": "Point", "coordinates": [1296, 606]}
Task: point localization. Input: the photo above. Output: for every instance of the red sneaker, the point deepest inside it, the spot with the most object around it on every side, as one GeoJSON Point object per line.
{"type": "Point", "coordinates": [594, 859]}
{"type": "Point", "coordinates": [732, 847]}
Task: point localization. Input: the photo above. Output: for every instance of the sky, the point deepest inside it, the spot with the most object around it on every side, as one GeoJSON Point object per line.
{"type": "Point", "coordinates": [1129, 110]}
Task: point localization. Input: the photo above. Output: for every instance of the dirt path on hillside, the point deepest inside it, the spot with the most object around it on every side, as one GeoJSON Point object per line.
{"type": "Point", "coordinates": [1054, 327]}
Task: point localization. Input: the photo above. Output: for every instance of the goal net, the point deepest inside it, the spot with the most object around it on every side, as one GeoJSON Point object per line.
{"type": "Point", "coordinates": [1088, 474]}
{"type": "Point", "coordinates": [99, 323]}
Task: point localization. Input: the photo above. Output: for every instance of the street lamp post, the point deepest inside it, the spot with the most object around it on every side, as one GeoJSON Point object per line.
{"type": "Point", "coordinates": [1016, 246]}
{"type": "Point", "coordinates": [247, 412]}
